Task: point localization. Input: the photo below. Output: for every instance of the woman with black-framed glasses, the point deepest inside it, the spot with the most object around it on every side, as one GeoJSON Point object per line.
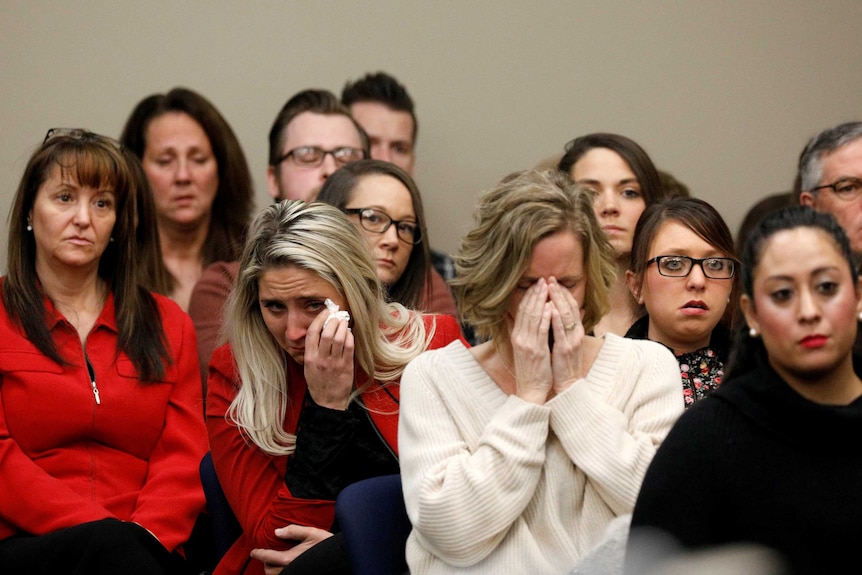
{"type": "Point", "coordinates": [384, 202]}
{"type": "Point", "coordinates": [683, 272]}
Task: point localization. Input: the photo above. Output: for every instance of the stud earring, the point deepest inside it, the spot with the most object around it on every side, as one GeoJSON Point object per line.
{"type": "Point", "coordinates": [860, 316]}
{"type": "Point", "coordinates": [29, 228]}
{"type": "Point", "coordinates": [753, 332]}
{"type": "Point", "coordinates": [111, 239]}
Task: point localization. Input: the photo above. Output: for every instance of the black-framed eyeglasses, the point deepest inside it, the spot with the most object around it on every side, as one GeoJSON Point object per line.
{"type": "Point", "coordinates": [846, 189]}
{"type": "Point", "coordinates": [378, 221]}
{"type": "Point", "coordinates": [681, 266]}
{"type": "Point", "coordinates": [312, 156]}
{"type": "Point", "coordinates": [82, 135]}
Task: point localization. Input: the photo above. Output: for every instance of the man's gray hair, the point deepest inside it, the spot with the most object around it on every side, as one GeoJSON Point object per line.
{"type": "Point", "coordinates": [827, 141]}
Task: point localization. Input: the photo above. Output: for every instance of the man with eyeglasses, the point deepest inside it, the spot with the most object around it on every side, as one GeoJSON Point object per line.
{"type": "Point", "coordinates": [312, 136]}
{"type": "Point", "coordinates": [830, 178]}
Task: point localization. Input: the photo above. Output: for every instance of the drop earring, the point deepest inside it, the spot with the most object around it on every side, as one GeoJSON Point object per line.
{"type": "Point", "coordinates": [29, 227]}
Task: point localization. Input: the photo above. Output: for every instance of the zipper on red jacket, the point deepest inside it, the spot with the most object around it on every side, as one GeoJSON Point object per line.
{"type": "Point", "coordinates": [93, 380]}
{"type": "Point", "coordinates": [377, 431]}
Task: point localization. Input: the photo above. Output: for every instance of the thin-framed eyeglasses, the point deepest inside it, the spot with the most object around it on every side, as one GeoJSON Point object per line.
{"type": "Point", "coordinates": [312, 156]}
{"type": "Point", "coordinates": [80, 134]}
{"type": "Point", "coordinates": [378, 221]}
{"type": "Point", "coordinates": [681, 266]}
{"type": "Point", "coordinates": [846, 189]}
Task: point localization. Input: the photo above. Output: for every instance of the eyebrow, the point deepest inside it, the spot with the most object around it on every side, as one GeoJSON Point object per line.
{"type": "Point", "coordinates": [619, 182]}
{"type": "Point", "coordinates": [174, 148]}
{"type": "Point", "coordinates": [674, 251]}
{"type": "Point", "coordinates": [813, 273]}
{"type": "Point", "coordinates": [559, 279]}
{"type": "Point", "coordinates": [385, 211]}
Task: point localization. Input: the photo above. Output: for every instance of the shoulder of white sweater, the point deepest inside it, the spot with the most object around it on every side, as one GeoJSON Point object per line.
{"type": "Point", "coordinates": [616, 349]}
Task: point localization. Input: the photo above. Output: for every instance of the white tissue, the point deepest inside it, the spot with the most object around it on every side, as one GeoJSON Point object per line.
{"type": "Point", "coordinates": [334, 312]}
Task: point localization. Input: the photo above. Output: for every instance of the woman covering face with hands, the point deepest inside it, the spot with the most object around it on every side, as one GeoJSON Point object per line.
{"type": "Point", "coordinates": [517, 453]}
{"type": "Point", "coordinates": [303, 400]}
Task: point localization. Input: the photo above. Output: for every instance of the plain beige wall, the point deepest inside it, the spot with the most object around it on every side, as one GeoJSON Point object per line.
{"type": "Point", "coordinates": [722, 94]}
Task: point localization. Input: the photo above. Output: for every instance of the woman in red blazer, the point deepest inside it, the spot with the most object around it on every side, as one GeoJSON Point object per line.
{"type": "Point", "coordinates": [100, 398]}
{"type": "Point", "coordinates": [303, 400]}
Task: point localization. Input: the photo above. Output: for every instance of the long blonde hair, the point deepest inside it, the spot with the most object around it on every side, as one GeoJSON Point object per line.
{"type": "Point", "coordinates": [318, 238]}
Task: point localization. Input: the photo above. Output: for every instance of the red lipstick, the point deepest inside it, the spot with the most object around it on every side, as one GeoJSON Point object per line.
{"type": "Point", "coordinates": [813, 341]}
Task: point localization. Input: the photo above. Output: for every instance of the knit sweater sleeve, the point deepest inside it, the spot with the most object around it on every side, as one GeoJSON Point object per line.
{"type": "Point", "coordinates": [612, 422]}
{"type": "Point", "coordinates": [469, 464]}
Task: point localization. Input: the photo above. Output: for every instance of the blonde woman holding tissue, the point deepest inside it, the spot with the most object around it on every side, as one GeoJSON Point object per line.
{"type": "Point", "coordinates": [303, 400]}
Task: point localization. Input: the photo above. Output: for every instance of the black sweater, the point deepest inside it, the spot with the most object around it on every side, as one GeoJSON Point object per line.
{"type": "Point", "coordinates": [756, 462]}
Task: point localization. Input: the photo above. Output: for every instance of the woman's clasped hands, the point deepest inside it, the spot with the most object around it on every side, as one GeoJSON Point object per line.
{"type": "Point", "coordinates": [547, 341]}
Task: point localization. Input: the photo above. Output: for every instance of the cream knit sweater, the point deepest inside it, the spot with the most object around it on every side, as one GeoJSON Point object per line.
{"type": "Point", "coordinates": [497, 485]}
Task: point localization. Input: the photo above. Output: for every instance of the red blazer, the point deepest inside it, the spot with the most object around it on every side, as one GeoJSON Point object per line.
{"type": "Point", "coordinates": [66, 459]}
{"type": "Point", "coordinates": [253, 481]}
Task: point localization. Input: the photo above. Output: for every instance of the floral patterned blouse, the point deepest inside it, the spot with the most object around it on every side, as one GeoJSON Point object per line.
{"type": "Point", "coordinates": [702, 370]}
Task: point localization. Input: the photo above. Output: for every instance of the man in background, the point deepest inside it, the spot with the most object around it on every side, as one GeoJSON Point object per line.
{"type": "Point", "coordinates": [385, 110]}
{"type": "Point", "coordinates": [312, 136]}
{"type": "Point", "coordinates": [830, 178]}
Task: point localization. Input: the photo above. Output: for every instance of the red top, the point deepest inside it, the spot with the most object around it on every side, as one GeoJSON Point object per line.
{"type": "Point", "coordinates": [66, 459]}
{"type": "Point", "coordinates": [253, 481]}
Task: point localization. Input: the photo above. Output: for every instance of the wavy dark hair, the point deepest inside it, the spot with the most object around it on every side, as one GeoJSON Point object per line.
{"type": "Point", "coordinates": [154, 275]}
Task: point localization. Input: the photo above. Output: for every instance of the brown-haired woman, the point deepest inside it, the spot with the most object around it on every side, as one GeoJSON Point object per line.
{"type": "Point", "coordinates": [100, 430]}
{"type": "Point", "coordinates": [623, 181]}
{"type": "Point", "coordinates": [683, 271]}
{"type": "Point", "coordinates": [200, 182]}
